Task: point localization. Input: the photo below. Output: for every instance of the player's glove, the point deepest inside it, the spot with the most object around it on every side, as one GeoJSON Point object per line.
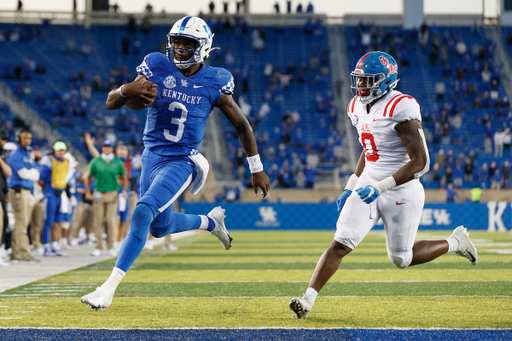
{"type": "Point", "coordinates": [340, 202]}
{"type": "Point", "coordinates": [368, 194]}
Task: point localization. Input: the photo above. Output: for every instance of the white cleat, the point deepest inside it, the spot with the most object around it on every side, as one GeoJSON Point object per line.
{"type": "Point", "coordinates": [466, 247]}
{"type": "Point", "coordinates": [100, 298]}
{"type": "Point", "coordinates": [217, 215]}
{"type": "Point", "coordinates": [301, 307]}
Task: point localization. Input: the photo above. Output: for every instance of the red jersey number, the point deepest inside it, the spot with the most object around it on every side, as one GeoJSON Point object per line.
{"type": "Point", "coordinates": [373, 155]}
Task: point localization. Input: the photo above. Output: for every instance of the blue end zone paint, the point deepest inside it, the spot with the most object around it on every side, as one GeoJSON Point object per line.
{"type": "Point", "coordinates": [257, 334]}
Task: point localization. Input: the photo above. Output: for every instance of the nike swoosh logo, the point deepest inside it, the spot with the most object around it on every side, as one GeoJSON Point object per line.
{"type": "Point", "coordinates": [473, 259]}
{"type": "Point", "coordinates": [198, 86]}
{"type": "Point", "coordinates": [399, 203]}
{"type": "Point", "coordinates": [375, 120]}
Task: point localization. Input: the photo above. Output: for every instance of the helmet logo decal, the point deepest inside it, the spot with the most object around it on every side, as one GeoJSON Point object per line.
{"type": "Point", "coordinates": [384, 60]}
{"type": "Point", "coordinates": [170, 82]}
{"type": "Point", "coordinates": [207, 29]}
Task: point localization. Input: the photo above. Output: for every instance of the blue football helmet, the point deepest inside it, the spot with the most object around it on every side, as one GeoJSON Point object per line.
{"type": "Point", "coordinates": [375, 74]}
{"type": "Point", "coordinates": [193, 28]}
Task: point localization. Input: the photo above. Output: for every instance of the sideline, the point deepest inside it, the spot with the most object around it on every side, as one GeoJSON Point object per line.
{"type": "Point", "coordinates": [22, 273]}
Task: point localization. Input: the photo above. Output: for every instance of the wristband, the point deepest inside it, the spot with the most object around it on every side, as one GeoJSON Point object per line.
{"type": "Point", "coordinates": [255, 164]}
{"type": "Point", "coordinates": [351, 183]}
{"type": "Point", "coordinates": [384, 185]}
{"type": "Point", "coordinates": [120, 92]}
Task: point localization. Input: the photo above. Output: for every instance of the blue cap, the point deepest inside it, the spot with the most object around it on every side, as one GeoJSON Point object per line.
{"type": "Point", "coordinates": [107, 143]}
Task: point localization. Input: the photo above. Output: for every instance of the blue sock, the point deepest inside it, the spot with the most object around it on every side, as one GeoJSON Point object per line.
{"type": "Point", "coordinates": [211, 224]}
{"type": "Point", "coordinates": [142, 216]}
{"type": "Point", "coordinates": [184, 222]}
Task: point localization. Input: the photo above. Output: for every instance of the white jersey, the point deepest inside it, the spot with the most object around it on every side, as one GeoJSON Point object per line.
{"type": "Point", "coordinates": [384, 150]}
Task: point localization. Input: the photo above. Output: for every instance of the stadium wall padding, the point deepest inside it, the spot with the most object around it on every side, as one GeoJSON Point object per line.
{"type": "Point", "coordinates": [492, 216]}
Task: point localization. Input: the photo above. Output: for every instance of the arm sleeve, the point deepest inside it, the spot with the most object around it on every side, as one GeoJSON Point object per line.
{"type": "Point", "coordinates": [407, 109]}
{"type": "Point", "coordinates": [92, 168]}
{"type": "Point", "coordinates": [147, 64]}
{"type": "Point", "coordinates": [29, 174]}
{"type": "Point", "coordinates": [223, 82]}
{"type": "Point", "coordinates": [44, 173]}
{"type": "Point", "coordinates": [15, 163]}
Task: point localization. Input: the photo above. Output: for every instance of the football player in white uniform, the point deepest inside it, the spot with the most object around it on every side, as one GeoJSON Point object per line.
{"type": "Point", "coordinates": [386, 179]}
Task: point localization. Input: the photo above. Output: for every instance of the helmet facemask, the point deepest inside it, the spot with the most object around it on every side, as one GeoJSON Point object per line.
{"type": "Point", "coordinates": [179, 54]}
{"type": "Point", "coordinates": [371, 91]}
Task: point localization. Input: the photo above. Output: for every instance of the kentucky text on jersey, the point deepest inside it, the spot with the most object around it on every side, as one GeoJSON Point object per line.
{"type": "Point", "coordinates": [181, 96]}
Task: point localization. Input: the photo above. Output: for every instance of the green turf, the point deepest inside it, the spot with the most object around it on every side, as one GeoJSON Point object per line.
{"type": "Point", "coordinates": [460, 265]}
{"type": "Point", "coordinates": [354, 312]}
{"type": "Point", "coordinates": [269, 289]}
{"type": "Point", "coordinates": [202, 285]}
{"type": "Point", "coordinates": [290, 275]}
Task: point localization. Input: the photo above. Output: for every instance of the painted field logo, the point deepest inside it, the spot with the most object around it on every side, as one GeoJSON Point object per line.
{"type": "Point", "coordinates": [268, 217]}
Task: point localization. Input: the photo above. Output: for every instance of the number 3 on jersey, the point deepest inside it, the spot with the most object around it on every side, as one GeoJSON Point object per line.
{"type": "Point", "coordinates": [373, 156]}
{"type": "Point", "coordinates": [180, 122]}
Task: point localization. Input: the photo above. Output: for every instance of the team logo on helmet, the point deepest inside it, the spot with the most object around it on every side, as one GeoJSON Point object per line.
{"type": "Point", "coordinates": [170, 82]}
{"type": "Point", "coordinates": [384, 60]}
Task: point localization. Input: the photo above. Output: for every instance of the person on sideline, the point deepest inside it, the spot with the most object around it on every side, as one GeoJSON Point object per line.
{"type": "Point", "coordinates": [106, 169]}
{"type": "Point", "coordinates": [21, 186]}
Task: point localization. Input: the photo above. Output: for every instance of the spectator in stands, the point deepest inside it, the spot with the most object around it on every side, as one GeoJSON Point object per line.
{"type": "Point", "coordinates": [310, 8]}
{"type": "Point", "coordinates": [440, 89]}
{"type": "Point", "coordinates": [483, 173]}
{"type": "Point", "coordinates": [126, 45]}
{"type": "Point", "coordinates": [86, 49]}
{"type": "Point", "coordinates": [423, 34]}
{"type": "Point", "coordinates": [486, 74]}
{"type": "Point", "coordinates": [440, 157]}
{"type": "Point", "coordinates": [149, 9]}
{"type": "Point", "coordinates": [461, 47]}
{"type": "Point", "coordinates": [145, 25]}
{"type": "Point", "coordinates": [40, 99]}
{"type": "Point", "coordinates": [496, 180]}
{"type": "Point", "coordinates": [492, 168]}
{"type": "Point", "coordinates": [299, 8]}
{"type": "Point", "coordinates": [507, 139]}
{"type": "Point", "coordinates": [433, 56]}
{"type": "Point", "coordinates": [9, 70]}
{"type": "Point", "coordinates": [111, 135]}
{"type": "Point", "coordinates": [487, 145]}
{"type": "Point", "coordinates": [258, 42]}
{"type": "Point", "coordinates": [70, 45]}
{"type": "Point", "coordinates": [451, 193]}
{"type": "Point", "coordinates": [132, 25]}
{"type": "Point", "coordinates": [498, 142]}
{"type": "Point", "coordinates": [20, 188]}
{"type": "Point", "coordinates": [468, 170]}
{"type": "Point", "coordinates": [505, 175]}
{"type": "Point", "coordinates": [244, 106]}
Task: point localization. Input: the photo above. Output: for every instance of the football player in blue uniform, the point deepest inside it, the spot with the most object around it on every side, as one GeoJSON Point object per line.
{"type": "Point", "coordinates": [179, 92]}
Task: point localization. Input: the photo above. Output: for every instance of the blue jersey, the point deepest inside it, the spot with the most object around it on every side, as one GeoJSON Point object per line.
{"type": "Point", "coordinates": [176, 120]}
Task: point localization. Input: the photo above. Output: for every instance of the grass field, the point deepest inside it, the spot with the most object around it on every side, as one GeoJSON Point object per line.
{"type": "Point", "coordinates": [201, 285]}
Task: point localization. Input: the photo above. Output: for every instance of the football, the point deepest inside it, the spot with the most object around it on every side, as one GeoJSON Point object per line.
{"type": "Point", "coordinates": [136, 103]}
